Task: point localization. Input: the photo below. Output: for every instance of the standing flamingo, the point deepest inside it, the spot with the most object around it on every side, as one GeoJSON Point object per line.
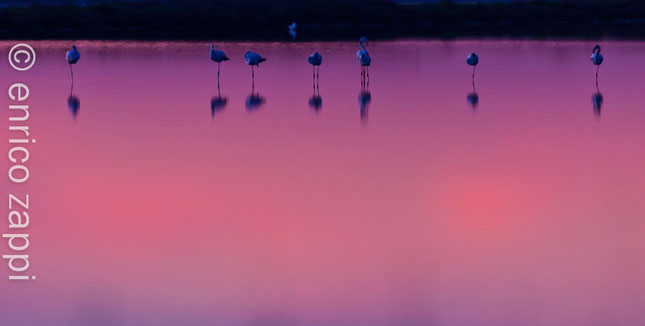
{"type": "Point", "coordinates": [315, 59]}
{"type": "Point", "coordinates": [597, 59]}
{"type": "Point", "coordinates": [217, 56]}
{"type": "Point", "coordinates": [72, 56]}
{"type": "Point", "coordinates": [364, 59]}
{"type": "Point", "coordinates": [253, 59]}
{"type": "Point", "coordinates": [473, 60]}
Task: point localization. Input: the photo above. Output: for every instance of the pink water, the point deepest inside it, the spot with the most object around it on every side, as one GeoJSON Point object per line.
{"type": "Point", "coordinates": [412, 208]}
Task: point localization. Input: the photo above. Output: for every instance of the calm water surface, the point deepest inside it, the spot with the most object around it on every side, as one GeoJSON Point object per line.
{"type": "Point", "coordinates": [157, 199]}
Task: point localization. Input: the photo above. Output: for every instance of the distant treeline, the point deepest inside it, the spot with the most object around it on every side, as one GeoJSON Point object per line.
{"type": "Point", "coordinates": [322, 19]}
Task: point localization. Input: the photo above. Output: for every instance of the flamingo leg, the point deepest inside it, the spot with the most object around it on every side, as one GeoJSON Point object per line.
{"type": "Point", "coordinates": [597, 69]}
{"type": "Point", "coordinates": [72, 73]}
{"type": "Point", "coordinates": [368, 75]}
{"type": "Point", "coordinates": [474, 67]}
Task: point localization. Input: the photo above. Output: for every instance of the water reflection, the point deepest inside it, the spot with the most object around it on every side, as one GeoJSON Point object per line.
{"type": "Point", "coordinates": [597, 100]}
{"type": "Point", "coordinates": [218, 103]}
{"type": "Point", "coordinates": [364, 99]}
{"type": "Point", "coordinates": [473, 99]}
{"type": "Point", "coordinates": [99, 305]}
{"type": "Point", "coordinates": [390, 201]}
{"type": "Point", "coordinates": [73, 102]}
{"type": "Point", "coordinates": [315, 101]}
{"type": "Point", "coordinates": [254, 101]}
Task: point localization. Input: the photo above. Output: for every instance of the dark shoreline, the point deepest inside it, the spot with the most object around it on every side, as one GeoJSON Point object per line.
{"type": "Point", "coordinates": [325, 20]}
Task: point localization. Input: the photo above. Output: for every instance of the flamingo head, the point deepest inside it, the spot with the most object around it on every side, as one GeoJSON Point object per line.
{"type": "Point", "coordinates": [596, 49]}
{"type": "Point", "coordinates": [74, 47]}
{"type": "Point", "coordinates": [212, 46]}
{"type": "Point", "coordinates": [363, 40]}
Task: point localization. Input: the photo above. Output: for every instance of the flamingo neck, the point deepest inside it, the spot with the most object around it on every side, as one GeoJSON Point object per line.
{"type": "Point", "coordinates": [362, 46]}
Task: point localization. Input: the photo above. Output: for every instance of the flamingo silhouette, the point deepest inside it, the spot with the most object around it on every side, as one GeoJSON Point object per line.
{"type": "Point", "coordinates": [217, 56]}
{"type": "Point", "coordinates": [365, 60]}
{"type": "Point", "coordinates": [597, 59]}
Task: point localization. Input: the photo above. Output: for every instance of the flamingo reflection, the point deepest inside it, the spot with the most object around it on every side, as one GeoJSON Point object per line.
{"type": "Point", "coordinates": [254, 101]}
{"type": "Point", "coordinates": [597, 100]}
{"type": "Point", "coordinates": [218, 103]}
{"type": "Point", "coordinates": [364, 100]}
{"type": "Point", "coordinates": [473, 99]}
{"type": "Point", "coordinates": [73, 102]}
{"type": "Point", "coordinates": [315, 101]}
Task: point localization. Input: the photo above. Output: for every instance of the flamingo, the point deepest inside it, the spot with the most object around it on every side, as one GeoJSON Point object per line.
{"type": "Point", "coordinates": [597, 59]}
{"type": "Point", "coordinates": [292, 27]}
{"type": "Point", "coordinates": [72, 56]}
{"type": "Point", "coordinates": [217, 56]}
{"type": "Point", "coordinates": [253, 59]}
{"type": "Point", "coordinates": [315, 59]}
{"type": "Point", "coordinates": [473, 60]}
{"type": "Point", "coordinates": [364, 59]}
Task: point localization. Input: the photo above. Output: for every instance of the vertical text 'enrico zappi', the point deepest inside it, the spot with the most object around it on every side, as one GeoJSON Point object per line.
{"type": "Point", "coordinates": [21, 57]}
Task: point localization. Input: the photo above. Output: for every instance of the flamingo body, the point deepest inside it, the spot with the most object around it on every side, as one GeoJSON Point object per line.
{"type": "Point", "coordinates": [472, 59]}
{"type": "Point", "coordinates": [72, 56]}
{"type": "Point", "coordinates": [217, 55]}
{"type": "Point", "coordinates": [253, 59]}
{"type": "Point", "coordinates": [364, 58]}
{"type": "Point", "coordinates": [315, 59]}
{"type": "Point", "coordinates": [362, 54]}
